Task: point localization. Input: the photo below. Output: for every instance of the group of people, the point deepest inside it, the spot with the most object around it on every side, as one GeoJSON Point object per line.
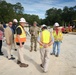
{"type": "Point", "coordinates": [46, 39]}
{"type": "Point", "coordinates": [15, 34]}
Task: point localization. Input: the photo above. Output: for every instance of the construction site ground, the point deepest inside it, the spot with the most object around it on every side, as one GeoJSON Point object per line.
{"type": "Point", "coordinates": [65, 64]}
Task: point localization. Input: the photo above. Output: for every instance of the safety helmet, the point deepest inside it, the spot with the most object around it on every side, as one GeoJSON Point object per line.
{"type": "Point", "coordinates": [15, 20]}
{"type": "Point", "coordinates": [56, 24]}
{"type": "Point", "coordinates": [43, 26]}
{"type": "Point", "coordinates": [22, 20]}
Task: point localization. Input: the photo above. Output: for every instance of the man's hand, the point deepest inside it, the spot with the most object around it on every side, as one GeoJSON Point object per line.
{"type": "Point", "coordinates": [21, 45]}
{"type": "Point", "coordinates": [8, 43]}
{"type": "Point", "coordinates": [45, 45]}
{"type": "Point", "coordinates": [60, 39]}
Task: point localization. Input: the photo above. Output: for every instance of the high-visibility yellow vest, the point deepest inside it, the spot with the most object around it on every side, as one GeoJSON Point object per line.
{"type": "Point", "coordinates": [57, 37]}
{"type": "Point", "coordinates": [45, 37]}
{"type": "Point", "coordinates": [22, 36]}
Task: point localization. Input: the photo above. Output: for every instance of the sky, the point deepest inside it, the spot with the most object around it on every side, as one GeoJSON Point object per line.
{"type": "Point", "coordinates": [39, 7]}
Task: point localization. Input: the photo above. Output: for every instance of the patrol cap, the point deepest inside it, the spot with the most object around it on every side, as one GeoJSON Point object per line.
{"type": "Point", "coordinates": [43, 26]}
{"type": "Point", "coordinates": [15, 20]}
{"type": "Point", "coordinates": [22, 20]}
{"type": "Point", "coordinates": [56, 24]}
{"type": "Point", "coordinates": [35, 22]}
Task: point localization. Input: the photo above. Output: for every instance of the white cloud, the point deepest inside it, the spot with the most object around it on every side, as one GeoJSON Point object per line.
{"type": "Point", "coordinates": [11, 1]}
{"type": "Point", "coordinates": [39, 7]}
{"type": "Point", "coordinates": [69, 4]}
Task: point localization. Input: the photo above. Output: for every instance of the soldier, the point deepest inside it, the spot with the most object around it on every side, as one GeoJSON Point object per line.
{"type": "Point", "coordinates": [34, 31]}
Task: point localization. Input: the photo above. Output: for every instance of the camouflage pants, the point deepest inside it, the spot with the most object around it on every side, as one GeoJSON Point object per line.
{"type": "Point", "coordinates": [33, 43]}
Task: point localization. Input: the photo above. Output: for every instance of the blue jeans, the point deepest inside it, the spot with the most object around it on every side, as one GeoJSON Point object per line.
{"type": "Point", "coordinates": [56, 43]}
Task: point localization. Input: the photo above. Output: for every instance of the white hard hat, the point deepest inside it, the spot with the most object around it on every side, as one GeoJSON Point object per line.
{"type": "Point", "coordinates": [15, 20]}
{"type": "Point", "coordinates": [43, 26]}
{"type": "Point", "coordinates": [22, 20]}
{"type": "Point", "coordinates": [56, 24]}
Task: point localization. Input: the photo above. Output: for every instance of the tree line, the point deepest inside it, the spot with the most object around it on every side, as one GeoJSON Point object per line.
{"type": "Point", "coordinates": [63, 16]}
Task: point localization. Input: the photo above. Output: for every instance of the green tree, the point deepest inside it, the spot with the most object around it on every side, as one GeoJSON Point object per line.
{"type": "Point", "coordinates": [9, 11]}
{"type": "Point", "coordinates": [31, 18]}
{"type": "Point", "coordinates": [53, 15]}
{"type": "Point", "coordinates": [69, 14]}
{"type": "Point", "coordinates": [18, 8]}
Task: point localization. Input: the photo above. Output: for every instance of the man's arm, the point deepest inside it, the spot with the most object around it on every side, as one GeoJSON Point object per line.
{"type": "Point", "coordinates": [19, 40]}
{"type": "Point", "coordinates": [52, 41]}
{"type": "Point", "coordinates": [7, 36]}
{"type": "Point", "coordinates": [18, 35]}
{"type": "Point", "coordinates": [38, 40]}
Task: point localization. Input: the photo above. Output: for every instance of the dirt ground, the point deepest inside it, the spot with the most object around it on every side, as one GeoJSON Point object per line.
{"type": "Point", "coordinates": [65, 64]}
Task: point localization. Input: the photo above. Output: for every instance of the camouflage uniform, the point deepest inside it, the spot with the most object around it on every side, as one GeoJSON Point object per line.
{"type": "Point", "coordinates": [34, 31]}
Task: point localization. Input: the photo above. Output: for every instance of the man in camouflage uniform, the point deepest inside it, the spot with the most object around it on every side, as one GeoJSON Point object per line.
{"type": "Point", "coordinates": [34, 31]}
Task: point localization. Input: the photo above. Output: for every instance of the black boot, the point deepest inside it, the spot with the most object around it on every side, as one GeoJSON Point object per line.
{"type": "Point", "coordinates": [1, 53]}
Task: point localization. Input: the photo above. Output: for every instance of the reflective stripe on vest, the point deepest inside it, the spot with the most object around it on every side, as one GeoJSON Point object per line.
{"type": "Point", "coordinates": [45, 37]}
{"type": "Point", "coordinates": [22, 36]}
{"type": "Point", "coordinates": [57, 36]}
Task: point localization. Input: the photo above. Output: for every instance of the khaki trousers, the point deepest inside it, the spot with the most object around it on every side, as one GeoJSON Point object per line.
{"type": "Point", "coordinates": [45, 54]}
{"type": "Point", "coordinates": [9, 50]}
{"type": "Point", "coordinates": [14, 45]}
{"type": "Point", "coordinates": [21, 54]}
